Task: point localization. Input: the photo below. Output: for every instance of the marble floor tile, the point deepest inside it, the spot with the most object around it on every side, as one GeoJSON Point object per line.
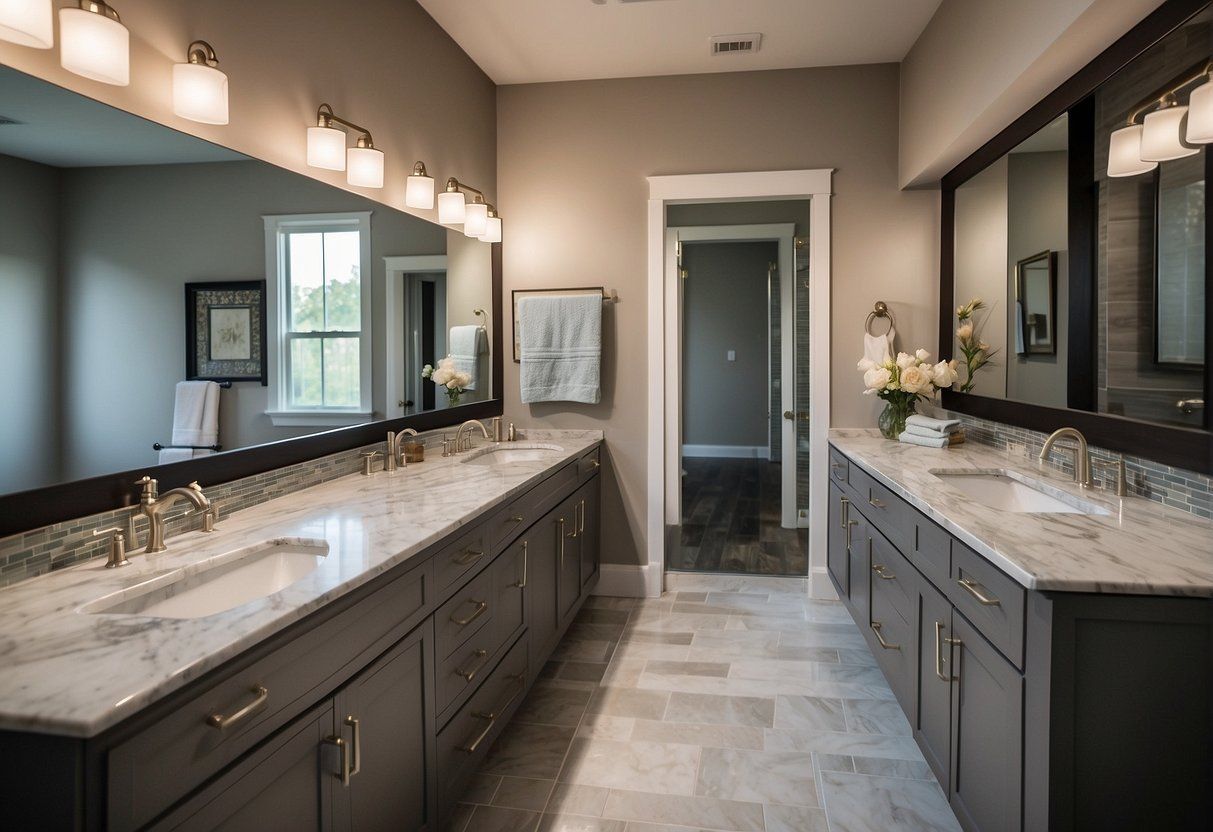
{"type": "Point", "coordinates": [649, 650]}
{"type": "Point", "coordinates": [578, 823]}
{"type": "Point", "coordinates": [783, 777]}
{"type": "Point", "coordinates": [841, 742]}
{"type": "Point", "coordinates": [459, 817]}
{"type": "Point", "coordinates": [861, 803]}
{"type": "Point", "coordinates": [526, 750]}
{"type": "Point", "coordinates": [481, 789]}
{"type": "Point", "coordinates": [644, 704]}
{"type": "Point", "coordinates": [577, 799]}
{"type": "Point", "coordinates": [580, 650]}
{"type": "Point", "coordinates": [551, 703]}
{"type": "Point", "coordinates": [913, 769]}
{"type": "Point", "coordinates": [638, 766]}
{"type": "Point", "coordinates": [670, 668]}
{"type": "Point", "coordinates": [498, 819]}
{"type": "Point", "coordinates": [523, 793]}
{"type": "Point", "coordinates": [606, 727]}
{"type": "Point", "coordinates": [639, 826]}
{"type": "Point", "coordinates": [795, 819]}
{"type": "Point", "coordinates": [623, 673]}
{"type": "Point", "coordinates": [582, 671]}
{"type": "Point", "coordinates": [678, 623]}
{"type": "Point", "coordinates": [876, 716]}
{"type": "Point", "coordinates": [810, 712]}
{"type": "Point", "coordinates": [702, 812]}
{"type": "Point", "coordinates": [705, 736]}
{"type": "Point", "coordinates": [638, 636]}
{"type": "Point", "coordinates": [720, 710]}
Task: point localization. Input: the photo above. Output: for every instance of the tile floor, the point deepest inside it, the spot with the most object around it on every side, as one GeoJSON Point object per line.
{"type": "Point", "coordinates": [731, 703]}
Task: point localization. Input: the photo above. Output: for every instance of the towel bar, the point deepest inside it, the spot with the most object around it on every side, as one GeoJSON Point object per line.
{"type": "Point", "coordinates": [156, 446]}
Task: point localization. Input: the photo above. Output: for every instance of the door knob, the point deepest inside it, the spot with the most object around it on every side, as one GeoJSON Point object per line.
{"type": "Point", "coordinates": [802, 415]}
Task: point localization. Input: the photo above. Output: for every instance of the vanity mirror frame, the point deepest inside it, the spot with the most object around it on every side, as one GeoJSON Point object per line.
{"type": "Point", "coordinates": [1187, 448]}
{"type": "Point", "coordinates": [26, 510]}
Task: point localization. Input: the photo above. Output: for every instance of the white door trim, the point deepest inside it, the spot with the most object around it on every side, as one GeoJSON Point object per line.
{"type": "Point", "coordinates": [394, 268]}
{"type": "Point", "coordinates": [815, 186]}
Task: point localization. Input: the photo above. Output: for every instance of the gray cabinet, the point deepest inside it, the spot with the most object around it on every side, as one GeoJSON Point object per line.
{"type": "Point", "coordinates": [543, 618]}
{"type": "Point", "coordinates": [568, 559]}
{"type": "Point", "coordinates": [932, 720]}
{"type": "Point", "coordinates": [589, 532]}
{"type": "Point", "coordinates": [839, 537]}
{"type": "Point", "coordinates": [859, 563]}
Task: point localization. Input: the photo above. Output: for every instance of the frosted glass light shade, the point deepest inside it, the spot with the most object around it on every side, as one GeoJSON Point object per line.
{"type": "Point", "coordinates": [475, 219]}
{"type": "Point", "coordinates": [1124, 153]}
{"type": "Point", "coordinates": [95, 46]}
{"type": "Point", "coordinates": [200, 93]}
{"type": "Point", "coordinates": [492, 234]}
{"type": "Point", "coordinates": [365, 167]}
{"type": "Point", "coordinates": [1162, 136]}
{"type": "Point", "coordinates": [27, 23]}
{"type": "Point", "coordinates": [451, 208]}
{"type": "Point", "coordinates": [419, 191]}
{"type": "Point", "coordinates": [326, 148]}
{"type": "Point", "coordinates": [1200, 114]}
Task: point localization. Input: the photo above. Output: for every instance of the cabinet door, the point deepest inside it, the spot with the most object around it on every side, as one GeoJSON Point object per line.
{"type": "Point", "coordinates": [381, 717]}
{"type": "Point", "coordinates": [568, 542]}
{"type": "Point", "coordinates": [542, 617]}
{"type": "Point", "coordinates": [286, 783]}
{"type": "Point", "coordinates": [933, 720]}
{"type": "Point", "coordinates": [859, 560]}
{"type": "Point", "coordinates": [987, 734]}
{"type": "Point", "coordinates": [840, 531]}
{"type": "Point", "coordinates": [590, 531]}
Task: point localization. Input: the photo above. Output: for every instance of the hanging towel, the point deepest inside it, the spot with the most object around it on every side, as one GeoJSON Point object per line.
{"type": "Point", "coordinates": [937, 426]}
{"type": "Point", "coordinates": [561, 346]}
{"type": "Point", "coordinates": [878, 348]}
{"type": "Point", "coordinates": [195, 420]}
{"type": "Point", "coordinates": [467, 344]}
{"type": "Point", "coordinates": [939, 441]}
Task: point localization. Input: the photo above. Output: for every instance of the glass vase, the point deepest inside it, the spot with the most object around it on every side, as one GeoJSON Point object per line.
{"type": "Point", "coordinates": [892, 419]}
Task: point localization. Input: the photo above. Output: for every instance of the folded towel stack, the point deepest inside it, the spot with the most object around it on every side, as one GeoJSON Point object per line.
{"type": "Point", "coordinates": [932, 433]}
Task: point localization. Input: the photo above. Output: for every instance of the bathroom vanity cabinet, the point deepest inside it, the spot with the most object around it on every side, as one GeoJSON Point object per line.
{"type": "Point", "coordinates": [371, 713]}
{"type": "Point", "coordinates": [1035, 710]}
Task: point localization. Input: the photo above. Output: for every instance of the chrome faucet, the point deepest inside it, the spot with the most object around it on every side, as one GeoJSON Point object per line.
{"type": "Point", "coordinates": [154, 505]}
{"type": "Point", "coordinates": [1082, 459]}
{"type": "Point", "coordinates": [459, 439]}
{"type": "Point", "coordinates": [395, 450]}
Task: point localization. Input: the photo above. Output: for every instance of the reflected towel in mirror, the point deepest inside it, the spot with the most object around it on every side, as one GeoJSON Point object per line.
{"type": "Point", "coordinates": [561, 348]}
{"type": "Point", "coordinates": [195, 420]}
{"type": "Point", "coordinates": [467, 344]}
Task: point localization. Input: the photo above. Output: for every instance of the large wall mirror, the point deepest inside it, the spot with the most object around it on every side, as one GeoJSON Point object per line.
{"type": "Point", "coordinates": [134, 257]}
{"type": "Point", "coordinates": [1082, 228]}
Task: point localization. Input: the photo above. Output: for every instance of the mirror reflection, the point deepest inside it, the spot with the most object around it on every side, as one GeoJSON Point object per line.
{"type": "Point", "coordinates": [134, 258]}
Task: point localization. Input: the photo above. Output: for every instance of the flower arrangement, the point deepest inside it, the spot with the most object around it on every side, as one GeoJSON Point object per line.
{"type": "Point", "coordinates": [445, 375]}
{"type": "Point", "coordinates": [901, 382]}
{"type": "Point", "coordinates": [977, 352]}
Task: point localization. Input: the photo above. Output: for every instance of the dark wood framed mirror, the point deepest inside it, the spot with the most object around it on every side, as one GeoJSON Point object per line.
{"type": "Point", "coordinates": [1053, 181]}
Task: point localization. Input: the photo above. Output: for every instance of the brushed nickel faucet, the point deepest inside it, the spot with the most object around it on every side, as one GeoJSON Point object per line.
{"type": "Point", "coordinates": [462, 444]}
{"type": "Point", "coordinates": [154, 506]}
{"type": "Point", "coordinates": [395, 450]}
{"type": "Point", "coordinates": [1082, 458]}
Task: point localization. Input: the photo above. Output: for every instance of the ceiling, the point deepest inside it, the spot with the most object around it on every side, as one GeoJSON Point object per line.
{"type": "Point", "coordinates": [61, 128]}
{"type": "Point", "coordinates": [528, 41]}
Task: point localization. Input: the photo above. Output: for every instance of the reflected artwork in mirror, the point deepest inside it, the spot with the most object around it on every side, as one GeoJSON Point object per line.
{"type": "Point", "coordinates": [317, 308]}
{"type": "Point", "coordinates": [1036, 305]}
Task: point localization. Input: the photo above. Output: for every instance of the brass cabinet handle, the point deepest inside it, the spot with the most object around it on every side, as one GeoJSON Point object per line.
{"type": "Point", "coordinates": [972, 588]}
{"type": "Point", "coordinates": [517, 518]}
{"type": "Point", "coordinates": [560, 534]}
{"type": "Point", "coordinates": [594, 463]}
{"type": "Point", "coordinates": [581, 522]}
{"type": "Point", "coordinates": [481, 656]}
{"type": "Point", "coordinates": [939, 657]}
{"type": "Point", "coordinates": [261, 695]}
{"type": "Point", "coordinates": [847, 522]}
{"type": "Point", "coordinates": [355, 745]}
{"type": "Point", "coordinates": [875, 502]}
{"type": "Point", "coordinates": [521, 583]}
{"type": "Point", "coordinates": [493, 715]}
{"type": "Point", "coordinates": [846, 510]}
{"type": "Point", "coordinates": [481, 606]}
{"type": "Point", "coordinates": [343, 773]}
{"type": "Point", "coordinates": [469, 556]}
{"type": "Point", "coordinates": [876, 625]}
{"type": "Point", "coordinates": [880, 573]}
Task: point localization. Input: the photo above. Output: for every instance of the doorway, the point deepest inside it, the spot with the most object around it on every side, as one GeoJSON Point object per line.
{"type": "Point", "coordinates": [416, 331]}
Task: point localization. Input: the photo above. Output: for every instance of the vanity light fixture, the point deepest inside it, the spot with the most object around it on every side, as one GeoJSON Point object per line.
{"type": "Point", "coordinates": [1167, 129]}
{"type": "Point", "coordinates": [27, 23]}
{"type": "Point", "coordinates": [199, 88]}
{"type": "Point", "coordinates": [419, 188]}
{"type": "Point", "coordinates": [94, 43]}
{"type": "Point", "coordinates": [492, 232]}
{"type": "Point", "coordinates": [1162, 136]}
{"type": "Point", "coordinates": [326, 149]}
{"type": "Point", "coordinates": [451, 204]}
{"type": "Point", "coordinates": [454, 209]}
{"type": "Point", "coordinates": [1124, 153]}
{"type": "Point", "coordinates": [1200, 114]}
{"type": "Point", "coordinates": [476, 217]}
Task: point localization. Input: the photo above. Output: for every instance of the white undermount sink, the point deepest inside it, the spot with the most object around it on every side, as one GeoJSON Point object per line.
{"type": "Point", "coordinates": [1005, 490]}
{"type": "Point", "coordinates": [216, 584]}
{"type": "Point", "coordinates": [512, 453]}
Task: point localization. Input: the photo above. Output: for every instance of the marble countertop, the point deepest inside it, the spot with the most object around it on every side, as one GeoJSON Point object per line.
{"type": "Point", "coordinates": [1140, 547]}
{"type": "Point", "coordinates": [75, 674]}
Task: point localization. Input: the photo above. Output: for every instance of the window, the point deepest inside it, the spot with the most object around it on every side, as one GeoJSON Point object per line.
{"type": "Point", "coordinates": [318, 288]}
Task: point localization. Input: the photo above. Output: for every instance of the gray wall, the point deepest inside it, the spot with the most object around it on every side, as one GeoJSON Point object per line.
{"type": "Point", "coordinates": [1037, 201]}
{"type": "Point", "coordinates": [981, 269]}
{"type": "Point", "coordinates": [29, 288]}
{"type": "Point", "coordinates": [725, 308]}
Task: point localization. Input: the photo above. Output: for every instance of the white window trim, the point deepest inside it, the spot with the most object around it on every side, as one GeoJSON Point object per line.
{"type": "Point", "coordinates": [280, 414]}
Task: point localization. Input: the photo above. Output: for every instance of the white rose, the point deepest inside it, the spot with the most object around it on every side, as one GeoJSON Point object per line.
{"type": "Point", "coordinates": [922, 355]}
{"type": "Point", "coordinates": [876, 379]}
{"type": "Point", "coordinates": [916, 379]}
{"type": "Point", "coordinates": [463, 379]}
{"type": "Point", "coordinates": [442, 375]}
{"type": "Point", "coordinates": [452, 384]}
{"type": "Point", "coordinates": [447, 363]}
{"type": "Point", "coordinates": [944, 373]}
{"type": "Point", "coordinates": [904, 359]}
{"type": "Point", "coordinates": [865, 364]}
{"type": "Point", "coordinates": [964, 333]}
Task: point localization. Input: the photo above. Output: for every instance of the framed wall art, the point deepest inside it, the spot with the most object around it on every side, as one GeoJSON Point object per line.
{"type": "Point", "coordinates": [225, 331]}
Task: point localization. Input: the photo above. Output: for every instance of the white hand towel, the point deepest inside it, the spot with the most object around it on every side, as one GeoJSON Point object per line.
{"type": "Point", "coordinates": [939, 426]}
{"type": "Point", "coordinates": [467, 344]}
{"type": "Point", "coordinates": [925, 441]}
{"type": "Point", "coordinates": [919, 430]}
{"type": "Point", "coordinates": [561, 348]}
{"type": "Point", "coordinates": [195, 419]}
{"type": "Point", "coordinates": [878, 348]}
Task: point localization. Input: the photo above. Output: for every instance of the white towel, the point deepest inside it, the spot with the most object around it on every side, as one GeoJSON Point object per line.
{"type": "Point", "coordinates": [195, 420]}
{"type": "Point", "coordinates": [937, 426]}
{"type": "Point", "coordinates": [467, 344]}
{"type": "Point", "coordinates": [878, 348]}
{"type": "Point", "coordinates": [1019, 348]}
{"type": "Point", "coordinates": [561, 346]}
{"type": "Point", "coordinates": [940, 441]}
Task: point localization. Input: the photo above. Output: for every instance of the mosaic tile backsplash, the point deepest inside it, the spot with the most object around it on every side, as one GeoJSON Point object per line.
{"type": "Point", "coordinates": [1175, 487]}
{"type": "Point", "coordinates": [63, 544]}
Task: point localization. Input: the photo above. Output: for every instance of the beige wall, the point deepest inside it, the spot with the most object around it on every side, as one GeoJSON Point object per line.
{"type": "Point", "coordinates": [573, 158]}
{"type": "Point", "coordinates": [981, 268]}
{"type": "Point", "coordinates": [384, 64]}
{"type": "Point", "coordinates": [980, 64]}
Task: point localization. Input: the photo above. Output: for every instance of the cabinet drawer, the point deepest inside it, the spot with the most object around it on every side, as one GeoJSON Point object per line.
{"type": "Point", "coordinates": [469, 610]}
{"type": "Point", "coordinates": [892, 640]}
{"type": "Point", "coordinates": [518, 514]}
{"type": "Point", "coordinates": [893, 576]}
{"type": "Point", "coordinates": [461, 558]}
{"type": "Point", "coordinates": [167, 759]}
{"type": "Point", "coordinates": [839, 466]}
{"type": "Point", "coordinates": [892, 515]}
{"type": "Point", "coordinates": [588, 465]}
{"type": "Point", "coordinates": [989, 599]}
{"type": "Point", "coordinates": [932, 552]}
{"type": "Point", "coordinates": [463, 743]}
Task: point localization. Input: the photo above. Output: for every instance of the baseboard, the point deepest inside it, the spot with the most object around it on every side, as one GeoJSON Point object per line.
{"type": "Point", "coordinates": [623, 580]}
{"type": "Point", "coordinates": [820, 585]}
{"type": "Point", "coordinates": [727, 451]}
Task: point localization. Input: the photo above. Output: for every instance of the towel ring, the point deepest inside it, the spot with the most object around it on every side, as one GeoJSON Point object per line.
{"type": "Point", "coordinates": [880, 310]}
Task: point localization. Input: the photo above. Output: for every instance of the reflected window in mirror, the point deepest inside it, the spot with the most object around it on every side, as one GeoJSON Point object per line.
{"type": "Point", "coordinates": [1179, 286]}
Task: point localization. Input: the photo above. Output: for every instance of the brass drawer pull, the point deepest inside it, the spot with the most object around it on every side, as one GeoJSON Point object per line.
{"type": "Point", "coordinates": [481, 606]}
{"type": "Point", "coordinates": [981, 597]}
{"type": "Point", "coordinates": [940, 660]}
{"type": "Point", "coordinates": [470, 674]}
{"type": "Point", "coordinates": [521, 583]}
{"type": "Point", "coordinates": [876, 625]}
{"type": "Point", "coordinates": [261, 695]}
{"type": "Point", "coordinates": [343, 773]}
{"type": "Point", "coordinates": [517, 518]}
{"type": "Point", "coordinates": [560, 534]}
{"type": "Point", "coordinates": [355, 745]}
{"type": "Point", "coordinates": [880, 573]}
{"type": "Point", "coordinates": [846, 509]}
{"type": "Point", "coordinates": [594, 463]}
{"type": "Point", "coordinates": [469, 556]}
{"type": "Point", "coordinates": [875, 502]}
{"type": "Point", "coordinates": [581, 522]}
{"type": "Point", "coordinates": [493, 715]}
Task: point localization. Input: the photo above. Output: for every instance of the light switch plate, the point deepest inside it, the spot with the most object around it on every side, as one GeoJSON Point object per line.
{"type": "Point", "coordinates": [732, 355]}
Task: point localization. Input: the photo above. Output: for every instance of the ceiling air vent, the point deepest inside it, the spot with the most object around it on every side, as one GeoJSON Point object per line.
{"type": "Point", "coordinates": [736, 44]}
